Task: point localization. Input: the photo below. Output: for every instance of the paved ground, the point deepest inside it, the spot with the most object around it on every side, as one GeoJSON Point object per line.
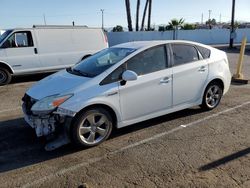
{"type": "Point", "coordinates": [190, 148]}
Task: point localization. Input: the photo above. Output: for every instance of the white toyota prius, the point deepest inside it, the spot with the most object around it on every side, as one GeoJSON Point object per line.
{"type": "Point", "coordinates": [123, 85]}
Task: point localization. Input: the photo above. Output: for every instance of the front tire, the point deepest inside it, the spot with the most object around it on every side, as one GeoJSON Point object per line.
{"type": "Point", "coordinates": [212, 96]}
{"type": "Point", "coordinates": [92, 127]}
{"type": "Point", "coordinates": [5, 76]}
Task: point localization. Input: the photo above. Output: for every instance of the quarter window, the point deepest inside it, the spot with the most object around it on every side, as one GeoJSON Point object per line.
{"type": "Point", "coordinates": [184, 54]}
{"type": "Point", "coordinates": [149, 61]}
{"type": "Point", "coordinates": [204, 52]}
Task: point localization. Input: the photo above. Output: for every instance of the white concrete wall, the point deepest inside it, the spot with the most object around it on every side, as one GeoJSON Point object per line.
{"type": "Point", "coordinates": [214, 36]}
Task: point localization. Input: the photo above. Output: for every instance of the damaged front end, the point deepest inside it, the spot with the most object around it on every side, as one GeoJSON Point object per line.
{"type": "Point", "coordinates": [48, 119]}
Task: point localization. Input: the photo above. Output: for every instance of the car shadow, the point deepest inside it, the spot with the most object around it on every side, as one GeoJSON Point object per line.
{"type": "Point", "coordinates": [21, 148]}
{"type": "Point", "coordinates": [29, 78]}
{"type": "Point", "coordinates": [224, 160]}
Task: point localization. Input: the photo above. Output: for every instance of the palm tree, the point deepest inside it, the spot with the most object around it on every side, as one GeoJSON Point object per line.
{"type": "Point", "coordinates": [149, 14]}
{"type": "Point", "coordinates": [137, 15]}
{"type": "Point", "coordinates": [144, 15]}
{"type": "Point", "coordinates": [174, 24]}
{"type": "Point", "coordinates": [127, 3]}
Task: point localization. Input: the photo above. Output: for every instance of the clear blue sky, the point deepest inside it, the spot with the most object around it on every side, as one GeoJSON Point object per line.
{"type": "Point", "coordinates": [25, 13]}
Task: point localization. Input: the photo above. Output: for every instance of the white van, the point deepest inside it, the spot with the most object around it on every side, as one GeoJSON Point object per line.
{"type": "Point", "coordinates": [46, 49]}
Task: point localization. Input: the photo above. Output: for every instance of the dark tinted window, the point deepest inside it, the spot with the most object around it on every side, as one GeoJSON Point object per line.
{"type": "Point", "coordinates": [101, 61]}
{"type": "Point", "coordinates": [204, 52]}
{"type": "Point", "coordinates": [151, 60]}
{"type": "Point", "coordinates": [184, 54]}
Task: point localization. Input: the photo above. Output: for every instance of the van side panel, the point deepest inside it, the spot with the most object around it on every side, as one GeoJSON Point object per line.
{"type": "Point", "coordinates": [63, 47]}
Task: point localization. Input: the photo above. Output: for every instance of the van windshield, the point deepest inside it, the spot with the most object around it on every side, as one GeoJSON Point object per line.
{"type": "Point", "coordinates": [4, 35]}
{"type": "Point", "coordinates": [101, 61]}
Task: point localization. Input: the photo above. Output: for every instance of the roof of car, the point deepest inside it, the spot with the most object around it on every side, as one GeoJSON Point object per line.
{"type": "Point", "coordinates": [147, 44]}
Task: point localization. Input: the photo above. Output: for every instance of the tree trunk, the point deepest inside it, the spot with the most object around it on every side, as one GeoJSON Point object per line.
{"type": "Point", "coordinates": [127, 3]}
{"type": "Point", "coordinates": [137, 15]}
{"type": "Point", "coordinates": [144, 15]}
{"type": "Point", "coordinates": [149, 14]}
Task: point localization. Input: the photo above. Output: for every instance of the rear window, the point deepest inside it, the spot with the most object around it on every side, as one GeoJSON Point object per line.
{"type": "Point", "coordinates": [204, 52]}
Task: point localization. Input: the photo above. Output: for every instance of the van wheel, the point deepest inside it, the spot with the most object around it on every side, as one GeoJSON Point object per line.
{"type": "Point", "coordinates": [5, 77]}
{"type": "Point", "coordinates": [92, 127]}
{"type": "Point", "coordinates": [212, 96]}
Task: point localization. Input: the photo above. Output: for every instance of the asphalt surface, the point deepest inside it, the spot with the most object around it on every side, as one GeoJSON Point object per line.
{"type": "Point", "coordinates": [190, 148]}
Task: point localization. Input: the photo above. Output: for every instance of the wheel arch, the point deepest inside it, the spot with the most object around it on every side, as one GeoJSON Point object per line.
{"type": "Point", "coordinates": [6, 66]}
{"type": "Point", "coordinates": [216, 80]}
{"type": "Point", "coordinates": [98, 105]}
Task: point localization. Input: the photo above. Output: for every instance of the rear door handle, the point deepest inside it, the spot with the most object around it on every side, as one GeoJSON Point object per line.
{"type": "Point", "coordinates": [202, 69]}
{"type": "Point", "coordinates": [165, 80]}
{"type": "Point", "coordinates": [35, 50]}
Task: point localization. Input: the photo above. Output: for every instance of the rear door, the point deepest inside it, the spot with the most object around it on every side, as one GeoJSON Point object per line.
{"type": "Point", "coordinates": [190, 72]}
{"type": "Point", "coordinates": [21, 52]}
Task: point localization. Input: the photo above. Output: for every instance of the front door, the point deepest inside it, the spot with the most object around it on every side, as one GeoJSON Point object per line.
{"type": "Point", "coordinates": [21, 53]}
{"type": "Point", "coordinates": [152, 91]}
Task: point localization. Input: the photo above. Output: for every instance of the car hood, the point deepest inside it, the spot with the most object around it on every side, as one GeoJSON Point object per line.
{"type": "Point", "coordinates": [57, 83]}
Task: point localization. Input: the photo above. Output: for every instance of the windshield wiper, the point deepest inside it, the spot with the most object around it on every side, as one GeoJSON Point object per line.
{"type": "Point", "coordinates": [85, 74]}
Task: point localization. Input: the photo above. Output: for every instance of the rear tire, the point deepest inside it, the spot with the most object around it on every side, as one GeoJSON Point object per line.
{"type": "Point", "coordinates": [212, 96]}
{"type": "Point", "coordinates": [92, 127]}
{"type": "Point", "coordinates": [5, 76]}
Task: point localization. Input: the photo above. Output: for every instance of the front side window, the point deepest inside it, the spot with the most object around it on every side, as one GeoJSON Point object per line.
{"type": "Point", "coordinates": [183, 53]}
{"type": "Point", "coordinates": [101, 61]}
{"type": "Point", "coordinates": [148, 61]}
{"type": "Point", "coordinates": [19, 39]}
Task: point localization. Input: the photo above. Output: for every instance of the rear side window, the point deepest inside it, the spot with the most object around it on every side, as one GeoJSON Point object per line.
{"type": "Point", "coordinates": [148, 61]}
{"type": "Point", "coordinates": [204, 52]}
{"type": "Point", "coordinates": [183, 53]}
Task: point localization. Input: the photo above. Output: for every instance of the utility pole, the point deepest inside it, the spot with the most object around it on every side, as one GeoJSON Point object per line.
{"type": "Point", "coordinates": [232, 32]}
{"type": "Point", "coordinates": [209, 18]}
{"type": "Point", "coordinates": [202, 18]}
{"type": "Point", "coordinates": [220, 18]}
{"type": "Point", "coordinates": [102, 10]}
{"type": "Point", "coordinates": [209, 14]}
{"type": "Point", "coordinates": [44, 19]}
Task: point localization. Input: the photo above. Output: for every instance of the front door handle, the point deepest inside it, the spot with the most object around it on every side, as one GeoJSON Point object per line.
{"type": "Point", "coordinates": [202, 69]}
{"type": "Point", "coordinates": [165, 80]}
{"type": "Point", "coordinates": [35, 50]}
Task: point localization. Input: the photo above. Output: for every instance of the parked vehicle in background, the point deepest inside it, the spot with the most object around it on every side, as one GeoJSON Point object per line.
{"type": "Point", "coordinates": [46, 48]}
{"type": "Point", "coordinates": [123, 85]}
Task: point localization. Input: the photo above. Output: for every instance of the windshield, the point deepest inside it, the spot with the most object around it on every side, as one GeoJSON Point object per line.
{"type": "Point", "coordinates": [101, 61]}
{"type": "Point", "coordinates": [4, 35]}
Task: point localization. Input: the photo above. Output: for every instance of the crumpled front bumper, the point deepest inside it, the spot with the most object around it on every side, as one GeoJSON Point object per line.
{"type": "Point", "coordinates": [43, 125]}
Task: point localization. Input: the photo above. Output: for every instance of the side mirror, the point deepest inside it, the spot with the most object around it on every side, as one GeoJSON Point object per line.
{"type": "Point", "coordinates": [129, 75]}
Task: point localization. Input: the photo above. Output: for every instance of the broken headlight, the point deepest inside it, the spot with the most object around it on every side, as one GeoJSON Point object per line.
{"type": "Point", "coordinates": [48, 104]}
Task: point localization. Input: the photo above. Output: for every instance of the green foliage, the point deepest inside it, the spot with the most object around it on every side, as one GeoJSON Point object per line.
{"type": "Point", "coordinates": [211, 22]}
{"type": "Point", "coordinates": [189, 26]}
{"type": "Point", "coordinates": [175, 23]}
{"type": "Point", "coordinates": [117, 28]}
{"type": "Point", "coordinates": [162, 28]}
